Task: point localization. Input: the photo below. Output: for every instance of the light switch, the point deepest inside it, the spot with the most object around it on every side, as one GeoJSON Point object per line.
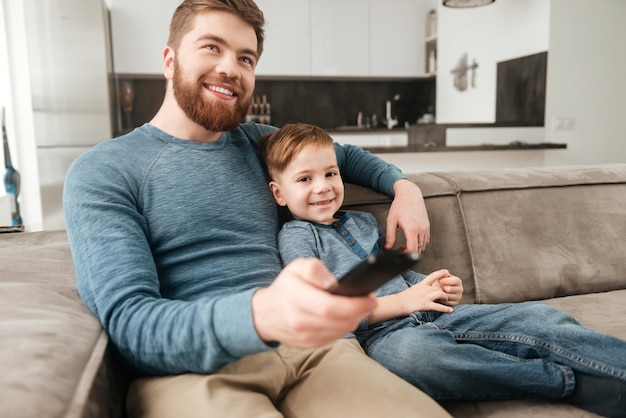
{"type": "Point", "coordinates": [562, 123]}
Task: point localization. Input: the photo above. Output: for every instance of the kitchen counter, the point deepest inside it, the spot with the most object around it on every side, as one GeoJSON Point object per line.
{"type": "Point", "coordinates": [428, 138]}
{"type": "Point", "coordinates": [458, 148]}
{"type": "Point", "coordinates": [356, 130]}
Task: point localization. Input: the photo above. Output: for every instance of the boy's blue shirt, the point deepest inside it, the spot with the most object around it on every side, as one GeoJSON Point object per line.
{"type": "Point", "coordinates": [171, 238]}
{"type": "Point", "coordinates": [341, 246]}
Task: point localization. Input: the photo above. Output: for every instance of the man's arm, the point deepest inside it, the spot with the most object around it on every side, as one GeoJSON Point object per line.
{"type": "Point", "coordinates": [117, 278]}
{"type": "Point", "coordinates": [407, 212]}
{"type": "Point", "coordinates": [297, 310]}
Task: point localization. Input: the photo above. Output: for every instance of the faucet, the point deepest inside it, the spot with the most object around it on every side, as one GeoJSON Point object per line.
{"type": "Point", "coordinates": [389, 121]}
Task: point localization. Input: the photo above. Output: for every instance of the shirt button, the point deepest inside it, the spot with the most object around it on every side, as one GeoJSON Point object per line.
{"type": "Point", "coordinates": [344, 233]}
{"type": "Point", "coordinates": [351, 242]}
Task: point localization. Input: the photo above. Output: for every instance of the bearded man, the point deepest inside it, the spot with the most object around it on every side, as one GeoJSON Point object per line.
{"type": "Point", "coordinates": [173, 233]}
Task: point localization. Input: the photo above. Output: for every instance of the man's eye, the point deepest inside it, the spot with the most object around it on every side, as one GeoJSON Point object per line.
{"type": "Point", "coordinates": [211, 47]}
{"type": "Point", "coordinates": [247, 60]}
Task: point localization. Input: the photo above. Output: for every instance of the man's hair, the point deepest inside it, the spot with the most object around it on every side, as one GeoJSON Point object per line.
{"type": "Point", "coordinates": [247, 10]}
{"type": "Point", "coordinates": [279, 148]}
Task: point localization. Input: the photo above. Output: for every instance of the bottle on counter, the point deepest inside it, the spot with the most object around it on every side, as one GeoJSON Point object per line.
{"type": "Point", "coordinates": [266, 110]}
{"type": "Point", "coordinates": [260, 110]}
{"type": "Point", "coordinates": [249, 114]}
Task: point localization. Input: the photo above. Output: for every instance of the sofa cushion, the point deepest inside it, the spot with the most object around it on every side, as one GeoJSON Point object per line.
{"type": "Point", "coordinates": [603, 312]}
{"type": "Point", "coordinates": [522, 178]}
{"type": "Point", "coordinates": [552, 229]}
{"type": "Point", "coordinates": [522, 408]}
{"type": "Point", "coordinates": [53, 354]}
{"type": "Point", "coordinates": [540, 243]}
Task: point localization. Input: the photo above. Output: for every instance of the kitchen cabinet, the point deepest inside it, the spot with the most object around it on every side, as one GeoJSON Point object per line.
{"type": "Point", "coordinates": [335, 38]}
{"type": "Point", "coordinates": [286, 51]}
{"type": "Point", "coordinates": [349, 38]}
{"type": "Point", "coordinates": [397, 33]}
{"type": "Point", "coordinates": [340, 38]}
{"type": "Point", "coordinates": [139, 30]}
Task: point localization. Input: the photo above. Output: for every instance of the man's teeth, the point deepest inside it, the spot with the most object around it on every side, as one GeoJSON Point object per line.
{"type": "Point", "coordinates": [221, 90]}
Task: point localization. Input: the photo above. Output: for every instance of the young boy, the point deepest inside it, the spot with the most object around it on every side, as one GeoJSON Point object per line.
{"type": "Point", "coordinates": [502, 351]}
{"type": "Point", "coordinates": [302, 163]}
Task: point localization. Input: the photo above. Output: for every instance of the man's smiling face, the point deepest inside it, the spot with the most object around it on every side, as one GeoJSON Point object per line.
{"type": "Point", "coordinates": [214, 70]}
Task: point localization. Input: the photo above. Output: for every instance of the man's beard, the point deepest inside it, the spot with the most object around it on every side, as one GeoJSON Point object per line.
{"type": "Point", "coordinates": [214, 116]}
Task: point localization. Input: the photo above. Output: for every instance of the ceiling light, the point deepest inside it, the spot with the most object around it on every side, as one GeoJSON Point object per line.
{"type": "Point", "coordinates": [466, 3]}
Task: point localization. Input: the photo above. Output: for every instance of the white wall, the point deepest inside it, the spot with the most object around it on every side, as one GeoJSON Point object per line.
{"type": "Point", "coordinates": [501, 31]}
{"type": "Point", "coordinates": [586, 81]}
{"type": "Point", "coordinates": [15, 96]}
{"type": "Point", "coordinates": [54, 86]}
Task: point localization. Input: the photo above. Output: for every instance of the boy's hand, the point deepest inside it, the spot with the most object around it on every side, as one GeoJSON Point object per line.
{"type": "Point", "coordinates": [427, 295]}
{"type": "Point", "coordinates": [452, 286]}
{"type": "Point", "coordinates": [408, 212]}
{"type": "Point", "coordinates": [439, 291]}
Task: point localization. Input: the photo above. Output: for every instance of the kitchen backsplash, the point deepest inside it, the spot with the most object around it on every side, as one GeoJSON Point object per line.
{"type": "Point", "coordinates": [327, 103]}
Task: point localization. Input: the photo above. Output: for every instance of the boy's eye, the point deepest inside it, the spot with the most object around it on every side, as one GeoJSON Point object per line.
{"type": "Point", "coordinates": [211, 47]}
{"type": "Point", "coordinates": [303, 179]}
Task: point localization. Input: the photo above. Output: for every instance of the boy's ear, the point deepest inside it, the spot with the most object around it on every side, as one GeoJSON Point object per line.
{"type": "Point", "coordinates": [275, 188]}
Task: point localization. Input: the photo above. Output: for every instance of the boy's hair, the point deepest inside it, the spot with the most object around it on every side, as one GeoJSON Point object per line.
{"type": "Point", "coordinates": [247, 10]}
{"type": "Point", "coordinates": [279, 148]}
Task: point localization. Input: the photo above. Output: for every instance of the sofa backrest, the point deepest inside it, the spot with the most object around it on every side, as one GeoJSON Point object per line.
{"type": "Point", "coordinates": [521, 234]}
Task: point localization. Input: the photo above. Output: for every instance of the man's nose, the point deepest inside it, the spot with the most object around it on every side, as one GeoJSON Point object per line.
{"type": "Point", "coordinates": [228, 66]}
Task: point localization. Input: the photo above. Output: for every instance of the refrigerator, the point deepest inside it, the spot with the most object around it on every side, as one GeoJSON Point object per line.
{"type": "Point", "coordinates": [68, 47]}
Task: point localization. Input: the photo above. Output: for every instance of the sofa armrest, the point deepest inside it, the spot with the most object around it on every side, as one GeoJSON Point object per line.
{"type": "Point", "coordinates": [54, 355]}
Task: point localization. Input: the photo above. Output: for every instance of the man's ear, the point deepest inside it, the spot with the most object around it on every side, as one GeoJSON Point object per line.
{"type": "Point", "coordinates": [275, 188]}
{"type": "Point", "coordinates": [168, 62]}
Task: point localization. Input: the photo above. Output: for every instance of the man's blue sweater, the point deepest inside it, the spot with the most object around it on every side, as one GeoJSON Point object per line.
{"type": "Point", "coordinates": [171, 238]}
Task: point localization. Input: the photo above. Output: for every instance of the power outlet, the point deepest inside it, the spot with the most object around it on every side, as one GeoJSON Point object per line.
{"type": "Point", "coordinates": [562, 123]}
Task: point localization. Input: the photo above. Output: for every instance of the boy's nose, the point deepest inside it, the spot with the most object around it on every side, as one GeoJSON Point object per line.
{"type": "Point", "coordinates": [321, 185]}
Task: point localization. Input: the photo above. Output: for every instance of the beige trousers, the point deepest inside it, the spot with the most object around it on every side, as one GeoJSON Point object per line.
{"type": "Point", "coordinates": [338, 380]}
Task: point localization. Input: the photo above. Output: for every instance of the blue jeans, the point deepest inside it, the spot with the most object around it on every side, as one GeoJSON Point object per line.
{"type": "Point", "coordinates": [503, 351]}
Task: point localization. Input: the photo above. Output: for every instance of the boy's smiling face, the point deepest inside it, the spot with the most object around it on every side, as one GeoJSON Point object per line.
{"type": "Point", "coordinates": [311, 185]}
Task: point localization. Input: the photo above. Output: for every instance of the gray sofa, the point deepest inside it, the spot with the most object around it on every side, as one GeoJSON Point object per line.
{"type": "Point", "coordinates": [553, 234]}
